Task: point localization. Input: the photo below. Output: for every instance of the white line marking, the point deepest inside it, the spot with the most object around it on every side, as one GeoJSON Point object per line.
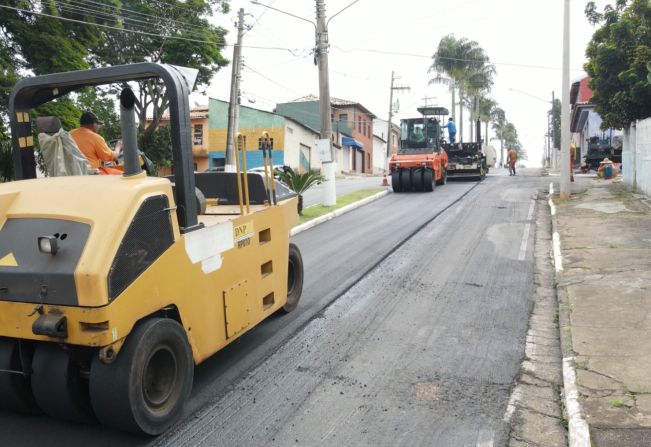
{"type": "Point", "coordinates": [525, 240]}
{"type": "Point", "coordinates": [551, 189]}
{"type": "Point", "coordinates": [531, 207]}
{"type": "Point", "coordinates": [552, 207]}
{"type": "Point", "coordinates": [558, 258]}
{"type": "Point", "coordinates": [578, 432]}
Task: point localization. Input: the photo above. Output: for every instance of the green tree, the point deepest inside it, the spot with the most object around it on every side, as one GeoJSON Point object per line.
{"type": "Point", "coordinates": [486, 108]}
{"type": "Point", "coordinates": [556, 123]}
{"type": "Point", "coordinates": [498, 116]}
{"type": "Point", "coordinates": [466, 66]}
{"type": "Point", "coordinates": [46, 36]}
{"type": "Point", "coordinates": [617, 57]}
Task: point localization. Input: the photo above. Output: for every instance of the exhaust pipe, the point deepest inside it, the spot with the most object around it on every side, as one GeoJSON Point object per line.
{"type": "Point", "coordinates": [129, 133]}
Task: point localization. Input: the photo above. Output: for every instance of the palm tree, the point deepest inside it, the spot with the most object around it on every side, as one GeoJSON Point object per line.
{"type": "Point", "coordinates": [299, 183]}
{"type": "Point", "coordinates": [464, 63]}
{"type": "Point", "coordinates": [447, 62]}
{"type": "Point", "coordinates": [486, 108]}
{"type": "Point", "coordinates": [499, 122]}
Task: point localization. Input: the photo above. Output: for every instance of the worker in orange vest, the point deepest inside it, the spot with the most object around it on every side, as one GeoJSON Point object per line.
{"type": "Point", "coordinates": [512, 158]}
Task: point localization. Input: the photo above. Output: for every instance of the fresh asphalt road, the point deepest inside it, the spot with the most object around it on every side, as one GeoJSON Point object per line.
{"type": "Point", "coordinates": [392, 344]}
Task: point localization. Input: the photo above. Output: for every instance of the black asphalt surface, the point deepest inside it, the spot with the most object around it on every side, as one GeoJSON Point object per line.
{"type": "Point", "coordinates": [422, 351]}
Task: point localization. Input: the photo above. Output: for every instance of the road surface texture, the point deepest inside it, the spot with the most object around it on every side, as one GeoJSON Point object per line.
{"type": "Point", "coordinates": [410, 331]}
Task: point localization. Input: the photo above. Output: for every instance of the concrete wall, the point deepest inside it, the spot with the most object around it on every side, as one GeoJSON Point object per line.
{"type": "Point", "coordinates": [379, 154]}
{"type": "Point", "coordinates": [297, 136]}
{"type": "Point", "coordinates": [636, 156]}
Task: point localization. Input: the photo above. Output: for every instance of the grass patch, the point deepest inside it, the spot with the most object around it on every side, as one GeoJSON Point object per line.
{"type": "Point", "coordinates": [617, 403]}
{"type": "Point", "coordinates": [352, 197]}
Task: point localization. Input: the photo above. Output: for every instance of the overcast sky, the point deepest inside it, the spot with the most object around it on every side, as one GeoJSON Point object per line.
{"type": "Point", "coordinates": [523, 39]}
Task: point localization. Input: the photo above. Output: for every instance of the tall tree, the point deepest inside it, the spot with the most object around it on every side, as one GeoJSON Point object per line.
{"type": "Point", "coordinates": [498, 116]}
{"type": "Point", "coordinates": [465, 64]}
{"type": "Point", "coordinates": [46, 36]}
{"type": "Point", "coordinates": [486, 108]}
{"type": "Point", "coordinates": [617, 58]}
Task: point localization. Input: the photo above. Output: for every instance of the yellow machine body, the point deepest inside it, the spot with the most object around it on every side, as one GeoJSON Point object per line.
{"type": "Point", "coordinates": [220, 280]}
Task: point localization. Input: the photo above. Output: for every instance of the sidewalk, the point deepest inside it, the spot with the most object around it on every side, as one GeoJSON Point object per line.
{"type": "Point", "coordinates": [604, 293]}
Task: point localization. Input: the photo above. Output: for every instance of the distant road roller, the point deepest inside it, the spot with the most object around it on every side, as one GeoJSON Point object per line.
{"type": "Point", "coordinates": [421, 162]}
{"type": "Point", "coordinates": [113, 287]}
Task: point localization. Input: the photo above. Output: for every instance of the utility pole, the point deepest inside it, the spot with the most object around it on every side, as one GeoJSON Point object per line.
{"type": "Point", "coordinates": [325, 144]}
{"type": "Point", "coordinates": [565, 110]}
{"type": "Point", "coordinates": [234, 104]}
{"type": "Point", "coordinates": [393, 78]}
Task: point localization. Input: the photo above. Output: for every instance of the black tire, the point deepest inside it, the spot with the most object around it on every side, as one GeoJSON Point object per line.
{"type": "Point", "coordinates": [417, 179]}
{"type": "Point", "coordinates": [428, 180]}
{"type": "Point", "coordinates": [145, 388]}
{"type": "Point", "coordinates": [444, 177]}
{"type": "Point", "coordinates": [405, 180]}
{"type": "Point", "coordinates": [15, 389]}
{"type": "Point", "coordinates": [294, 279]}
{"type": "Point", "coordinates": [58, 387]}
{"type": "Point", "coordinates": [395, 181]}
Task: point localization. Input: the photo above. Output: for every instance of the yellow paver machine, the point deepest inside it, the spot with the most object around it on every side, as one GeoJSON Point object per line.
{"type": "Point", "coordinates": [113, 287]}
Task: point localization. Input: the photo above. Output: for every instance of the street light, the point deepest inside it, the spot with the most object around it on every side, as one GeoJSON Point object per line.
{"type": "Point", "coordinates": [325, 143]}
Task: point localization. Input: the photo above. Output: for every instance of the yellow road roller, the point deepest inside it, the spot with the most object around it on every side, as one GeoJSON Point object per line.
{"type": "Point", "coordinates": [113, 287]}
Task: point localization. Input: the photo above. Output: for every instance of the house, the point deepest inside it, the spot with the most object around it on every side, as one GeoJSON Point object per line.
{"type": "Point", "coordinates": [352, 129]}
{"type": "Point", "coordinates": [380, 128]}
{"type": "Point", "coordinates": [585, 122]}
{"type": "Point", "coordinates": [200, 137]}
{"type": "Point", "coordinates": [293, 143]}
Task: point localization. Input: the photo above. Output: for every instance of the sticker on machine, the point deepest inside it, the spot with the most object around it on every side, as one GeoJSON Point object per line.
{"type": "Point", "coordinates": [243, 234]}
{"type": "Point", "coordinates": [207, 245]}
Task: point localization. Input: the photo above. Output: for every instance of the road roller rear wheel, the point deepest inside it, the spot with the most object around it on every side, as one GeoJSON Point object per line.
{"type": "Point", "coordinates": [405, 180]}
{"type": "Point", "coordinates": [417, 179]}
{"type": "Point", "coordinates": [428, 180]}
{"type": "Point", "coordinates": [395, 181]}
{"type": "Point", "coordinates": [144, 389]}
{"type": "Point", "coordinates": [58, 387]}
{"type": "Point", "coordinates": [15, 386]}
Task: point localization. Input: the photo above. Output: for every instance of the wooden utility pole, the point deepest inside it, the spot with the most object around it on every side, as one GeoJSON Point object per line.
{"type": "Point", "coordinates": [234, 104]}
{"type": "Point", "coordinates": [393, 78]}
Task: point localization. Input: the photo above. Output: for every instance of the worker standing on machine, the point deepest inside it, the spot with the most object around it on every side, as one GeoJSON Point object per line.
{"type": "Point", "coordinates": [92, 144]}
{"type": "Point", "coordinates": [452, 129]}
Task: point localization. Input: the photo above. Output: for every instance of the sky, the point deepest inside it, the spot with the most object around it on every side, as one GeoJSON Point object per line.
{"type": "Point", "coordinates": [372, 38]}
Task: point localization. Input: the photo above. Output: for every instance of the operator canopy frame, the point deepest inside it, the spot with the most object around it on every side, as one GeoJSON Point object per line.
{"type": "Point", "coordinates": [35, 91]}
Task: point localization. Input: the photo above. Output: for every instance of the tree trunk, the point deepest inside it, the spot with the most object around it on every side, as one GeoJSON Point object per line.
{"type": "Point", "coordinates": [460, 116]}
{"type": "Point", "coordinates": [300, 204]}
{"type": "Point", "coordinates": [453, 111]}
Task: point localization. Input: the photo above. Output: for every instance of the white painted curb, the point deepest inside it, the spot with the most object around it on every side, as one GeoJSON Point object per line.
{"type": "Point", "coordinates": [343, 210]}
{"type": "Point", "coordinates": [577, 427]}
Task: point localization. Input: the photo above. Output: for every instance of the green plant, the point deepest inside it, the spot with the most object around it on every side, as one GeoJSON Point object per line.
{"type": "Point", "coordinates": [299, 183]}
{"type": "Point", "coordinates": [6, 160]}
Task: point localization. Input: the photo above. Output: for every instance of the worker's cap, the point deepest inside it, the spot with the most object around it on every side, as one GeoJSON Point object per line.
{"type": "Point", "coordinates": [89, 118]}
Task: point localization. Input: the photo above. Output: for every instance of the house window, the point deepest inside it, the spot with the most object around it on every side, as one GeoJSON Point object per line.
{"type": "Point", "coordinates": [343, 118]}
{"type": "Point", "coordinates": [197, 139]}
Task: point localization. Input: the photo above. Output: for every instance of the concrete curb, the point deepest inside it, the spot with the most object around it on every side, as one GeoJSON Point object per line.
{"type": "Point", "coordinates": [577, 427]}
{"type": "Point", "coordinates": [343, 210]}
